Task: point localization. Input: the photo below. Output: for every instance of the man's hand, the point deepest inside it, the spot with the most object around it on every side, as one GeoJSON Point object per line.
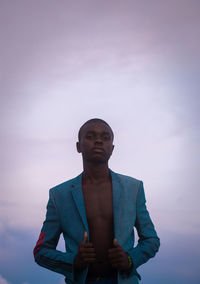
{"type": "Point", "coordinates": [117, 257]}
{"type": "Point", "coordinates": [86, 254]}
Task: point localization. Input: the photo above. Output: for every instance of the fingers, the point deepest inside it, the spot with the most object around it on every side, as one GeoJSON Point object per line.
{"type": "Point", "coordinates": [115, 242]}
{"type": "Point", "coordinates": [88, 253]}
{"type": "Point", "coordinates": [85, 243]}
{"type": "Point", "coordinates": [87, 250]}
{"type": "Point", "coordinates": [118, 258]}
{"type": "Point", "coordinates": [85, 237]}
{"type": "Point", "coordinates": [115, 253]}
{"type": "Point", "coordinates": [88, 258]}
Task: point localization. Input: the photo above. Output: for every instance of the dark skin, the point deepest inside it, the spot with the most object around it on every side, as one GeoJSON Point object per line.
{"type": "Point", "coordinates": [103, 255]}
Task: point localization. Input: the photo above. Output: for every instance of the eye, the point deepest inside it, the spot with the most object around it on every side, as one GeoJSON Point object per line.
{"type": "Point", "coordinates": [89, 136]}
{"type": "Point", "coordinates": [106, 137]}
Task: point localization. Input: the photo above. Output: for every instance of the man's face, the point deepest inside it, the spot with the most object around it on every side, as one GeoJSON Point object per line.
{"type": "Point", "coordinates": [96, 142]}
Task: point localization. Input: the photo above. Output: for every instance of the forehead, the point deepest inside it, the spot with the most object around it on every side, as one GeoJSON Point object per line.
{"type": "Point", "coordinates": [96, 127]}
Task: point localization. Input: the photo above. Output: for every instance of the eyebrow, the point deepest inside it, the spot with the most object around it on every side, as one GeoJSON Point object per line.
{"type": "Point", "coordinates": [94, 132]}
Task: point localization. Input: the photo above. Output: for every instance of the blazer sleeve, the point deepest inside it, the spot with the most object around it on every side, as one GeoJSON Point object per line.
{"type": "Point", "coordinates": [45, 252]}
{"type": "Point", "coordinates": [148, 243]}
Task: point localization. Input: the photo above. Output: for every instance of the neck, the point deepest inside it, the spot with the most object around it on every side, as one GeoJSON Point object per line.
{"type": "Point", "coordinates": [94, 172]}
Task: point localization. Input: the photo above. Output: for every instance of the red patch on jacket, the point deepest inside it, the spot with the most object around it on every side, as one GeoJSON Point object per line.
{"type": "Point", "coordinates": [39, 243]}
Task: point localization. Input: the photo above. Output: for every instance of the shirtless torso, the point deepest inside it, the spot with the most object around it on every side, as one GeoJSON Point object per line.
{"type": "Point", "coordinates": [99, 211]}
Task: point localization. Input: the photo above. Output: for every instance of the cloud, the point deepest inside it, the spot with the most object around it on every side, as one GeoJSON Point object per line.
{"type": "Point", "coordinates": [129, 62]}
{"type": "Point", "coordinates": [3, 280]}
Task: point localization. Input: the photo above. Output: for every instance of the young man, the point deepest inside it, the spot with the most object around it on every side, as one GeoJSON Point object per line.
{"type": "Point", "coordinates": [97, 212]}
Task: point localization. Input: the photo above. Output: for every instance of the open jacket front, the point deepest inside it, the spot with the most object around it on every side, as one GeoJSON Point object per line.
{"type": "Point", "coordinates": [66, 214]}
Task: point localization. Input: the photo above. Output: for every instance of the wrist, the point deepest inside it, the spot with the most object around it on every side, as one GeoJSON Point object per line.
{"type": "Point", "coordinates": [129, 268]}
{"type": "Point", "coordinates": [130, 261]}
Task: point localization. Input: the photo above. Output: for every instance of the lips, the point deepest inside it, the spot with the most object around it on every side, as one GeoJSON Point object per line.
{"type": "Point", "coordinates": [98, 150]}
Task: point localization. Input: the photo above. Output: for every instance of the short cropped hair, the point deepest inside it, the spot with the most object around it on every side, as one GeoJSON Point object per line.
{"type": "Point", "coordinates": [91, 121]}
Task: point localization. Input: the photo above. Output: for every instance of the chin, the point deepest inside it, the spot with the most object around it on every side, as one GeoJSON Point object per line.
{"type": "Point", "coordinates": [98, 160]}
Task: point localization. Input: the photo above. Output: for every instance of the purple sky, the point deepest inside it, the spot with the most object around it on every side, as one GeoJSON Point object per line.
{"type": "Point", "coordinates": [133, 63]}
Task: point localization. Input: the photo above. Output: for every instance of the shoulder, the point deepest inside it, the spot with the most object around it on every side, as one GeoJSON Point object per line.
{"type": "Point", "coordinates": [131, 187]}
{"type": "Point", "coordinates": [66, 186]}
{"type": "Point", "coordinates": [128, 180]}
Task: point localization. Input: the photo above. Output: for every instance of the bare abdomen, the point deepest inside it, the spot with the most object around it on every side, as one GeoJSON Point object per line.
{"type": "Point", "coordinates": [101, 235]}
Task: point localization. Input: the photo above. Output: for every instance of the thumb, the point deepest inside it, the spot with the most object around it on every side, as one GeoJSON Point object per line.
{"type": "Point", "coordinates": [115, 243]}
{"type": "Point", "coordinates": [85, 238]}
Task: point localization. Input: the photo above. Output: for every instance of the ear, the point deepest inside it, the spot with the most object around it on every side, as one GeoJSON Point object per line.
{"type": "Point", "coordinates": [113, 146]}
{"type": "Point", "coordinates": [78, 147]}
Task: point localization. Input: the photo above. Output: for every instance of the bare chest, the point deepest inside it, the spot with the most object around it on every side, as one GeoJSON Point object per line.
{"type": "Point", "coordinates": [98, 202]}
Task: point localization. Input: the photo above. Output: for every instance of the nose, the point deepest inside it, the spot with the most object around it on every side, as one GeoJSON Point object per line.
{"type": "Point", "coordinates": [98, 141]}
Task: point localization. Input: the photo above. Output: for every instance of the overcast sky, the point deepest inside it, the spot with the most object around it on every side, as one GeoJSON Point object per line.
{"type": "Point", "coordinates": [134, 64]}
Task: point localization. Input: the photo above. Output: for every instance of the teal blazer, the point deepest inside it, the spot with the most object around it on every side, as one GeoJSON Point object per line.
{"type": "Point", "coordinates": [66, 215]}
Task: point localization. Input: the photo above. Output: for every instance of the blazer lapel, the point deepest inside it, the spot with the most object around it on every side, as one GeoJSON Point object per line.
{"type": "Point", "coordinates": [79, 200]}
{"type": "Point", "coordinates": [117, 191]}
